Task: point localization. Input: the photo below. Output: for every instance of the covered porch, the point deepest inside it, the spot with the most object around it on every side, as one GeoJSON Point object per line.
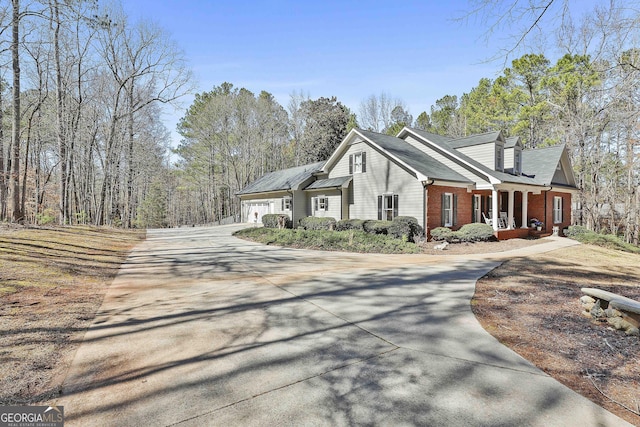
{"type": "Point", "coordinates": [511, 208]}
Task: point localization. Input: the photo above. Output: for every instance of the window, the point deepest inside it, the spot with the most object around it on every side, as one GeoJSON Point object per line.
{"type": "Point", "coordinates": [358, 163]}
{"type": "Point", "coordinates": [517, 162]}
{"type": "Point", "coordinates": [477, 208]}
{"type": "Point", "coordinates": [557, 210]}
{"type": "Point", "coordinates": [286, 203]}
{"type": "Point", "coordinates": [499, 158]}
{"type": "Point", "coordinates": [321, 203]}
{"type": "Point", "coordinates": [449, 209]}
{"type": "Point", "coordinates": [387, 207]}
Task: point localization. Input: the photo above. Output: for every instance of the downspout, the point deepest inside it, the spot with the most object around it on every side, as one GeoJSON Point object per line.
{"type": "Point", "coordinates": [545, 210]}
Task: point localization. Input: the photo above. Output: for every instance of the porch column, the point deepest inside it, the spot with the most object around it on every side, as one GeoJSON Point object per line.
{"type": "Point", "coordinates": [525, 205]}
{"type": "Point", "coordinates": [495, 214]}
{"type": "Point", "coordinates": [510, 211]}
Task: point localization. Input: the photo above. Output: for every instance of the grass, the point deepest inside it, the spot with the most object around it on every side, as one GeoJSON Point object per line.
{"type": "Point", "coordinates": [52, 281]}
{"type": "Point", "coordinates": [349, 240]}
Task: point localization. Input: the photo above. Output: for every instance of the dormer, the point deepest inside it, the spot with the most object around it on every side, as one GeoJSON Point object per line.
{"type": "Point", "coordinates": [513, 155]}
{"type": "Point", "coordinates": [487, 149]}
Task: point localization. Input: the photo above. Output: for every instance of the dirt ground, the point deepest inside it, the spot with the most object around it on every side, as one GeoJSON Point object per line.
{"type": "Point", "coordinates": [532, 306]}
{"type": "Point", "coordinates": [52, 282]}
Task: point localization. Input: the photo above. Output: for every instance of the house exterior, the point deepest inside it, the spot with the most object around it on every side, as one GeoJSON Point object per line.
{"type": "Point", "coordinates": [440, 181]}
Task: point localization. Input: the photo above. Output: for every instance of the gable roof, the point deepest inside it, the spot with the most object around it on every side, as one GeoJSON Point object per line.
{"type": "Point", "coordinates": [482, 138]}
{"type": "Point", "coordinates": [543, 162]}
{"type": "Point", "coordinates": [512, 141]}
{"type": "Point", "coordinates": [281, 180]}
{"type": "Point", "coordinates": [412, 157]}
{"type": "Point", "coordinates": [493, 176]}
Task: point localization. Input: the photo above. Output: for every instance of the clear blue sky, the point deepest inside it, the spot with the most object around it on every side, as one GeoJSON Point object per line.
{"type": "Point", "coordinates": [411, 50]}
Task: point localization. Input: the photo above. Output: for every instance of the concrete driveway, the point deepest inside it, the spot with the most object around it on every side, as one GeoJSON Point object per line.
{"type": "Point", "coordinates": [200, 328]}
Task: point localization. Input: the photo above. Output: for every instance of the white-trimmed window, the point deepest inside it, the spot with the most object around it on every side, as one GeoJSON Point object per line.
{"type": "Point", "coordinates": [448, 209]}
{"type": "Point", "coordinates": [557, 209]}
{"type": "Point", "coordinates": [286, 203]}
{"type": "Point", "coordinates": [387, 207]}
{"type": "Point", "coordinates": [477, 208]}
{"type": "Point", "coordinates": [358, 162]}
{"type": "Point", "coordinates": [499, 158]}
{"type": "Point", "coordinates": [321, 203]}
{"type": "Point", "coordinates": [517, 162]}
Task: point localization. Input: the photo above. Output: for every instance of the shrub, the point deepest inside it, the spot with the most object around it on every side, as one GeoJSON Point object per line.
{"type": "Point", "coordinates": [348, 240]}
{"type": "Point", "coordinates": [442, 233]}
{"type": "Point", "coordinates": [318, 223]}
{"type": "Point", "coordinates": [46, 217]}
{"type": "Point", "coordinates": [476, 232]}
{"type": "Point", "coordinates": [350, 224]}
{"type": "Point", "coordinates": [272, 220]}
{"type": "Point", "coordinates": [584, 235]}
{"type": "Point", "coordinates": [405, 227]}
{"type": "Point", "coordinates": [575, 231]}
{"type": "Point", "coordinates": [373, 226]}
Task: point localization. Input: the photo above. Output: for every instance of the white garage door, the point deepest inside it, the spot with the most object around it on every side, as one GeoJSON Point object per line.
{"type": "Point", "coordinates": [250, 210]}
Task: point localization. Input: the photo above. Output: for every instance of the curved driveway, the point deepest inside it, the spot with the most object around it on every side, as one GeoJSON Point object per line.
{"type": "Point", "coordinates": [200, 328]}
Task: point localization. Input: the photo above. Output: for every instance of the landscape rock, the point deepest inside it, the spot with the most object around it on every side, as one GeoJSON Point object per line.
{"type": "Point", "coordinates": [586, 299]}
{"type": "Point", "coordinates": [633, 331]}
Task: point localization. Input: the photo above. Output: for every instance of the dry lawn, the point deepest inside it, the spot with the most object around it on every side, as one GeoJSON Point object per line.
{"type": "Point", "coordinates": [52, 281]}
{"type": "Point", "coordinates": [532, 306]}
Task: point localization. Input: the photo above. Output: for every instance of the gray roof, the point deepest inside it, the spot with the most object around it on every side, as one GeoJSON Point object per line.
{"type": "Point", "coordinates": [414, 158]}
{"type": "Point", "coordinates": [329, 183]}
{"type": "Point", "coordinates": [468, 141]}
{"type": "Point", "coordinates": [282, 180]}
{"type": "Point", "coordinates": [502, 176]}
{"type": "Point", "coordinates": [511, 141]}
{"type": "Point", "coordinates": [542, 162]}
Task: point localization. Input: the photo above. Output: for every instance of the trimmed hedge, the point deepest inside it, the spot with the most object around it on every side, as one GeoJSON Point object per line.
{"type": "Point", "coordinates": [475, 232]}
{"type": "Point", "coordinates": [271, 220]}
{"type": "Point", "coordinates": [405, 227]}
{"type": "Point", "coordinates": [373, 226]}
{"type": "Point", "coordinates": [442, 233]}
{"type": "Point", "coordinates": [318, 223]}
{"type": "Point", "coordinates": [350, 224]}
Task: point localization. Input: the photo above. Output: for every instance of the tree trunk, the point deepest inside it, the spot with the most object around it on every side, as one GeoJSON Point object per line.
{"type": "Point", "coordinates": [15, 131]}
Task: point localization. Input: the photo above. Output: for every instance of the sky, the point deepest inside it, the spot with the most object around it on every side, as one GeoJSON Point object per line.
{"type": "Point", "coordinates": [411, 50]}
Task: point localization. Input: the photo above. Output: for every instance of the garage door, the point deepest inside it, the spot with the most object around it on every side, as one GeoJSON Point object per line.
{"type": "Point", "coordinates": [251, 209]}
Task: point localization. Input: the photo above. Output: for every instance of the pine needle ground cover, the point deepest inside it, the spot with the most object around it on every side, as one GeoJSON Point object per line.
{"type": "Point", "coordinates": [532, 305]}
{"type": "Point", "coordinates": [52, 282]}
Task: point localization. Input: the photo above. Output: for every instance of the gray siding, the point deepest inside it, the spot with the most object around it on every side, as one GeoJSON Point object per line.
{"type": "Point", "coordinates": [560, 177]}
{"type": "Point", "coordinates": [334, 208]}
{"type": "Point", "coordinates": [382, 176]}
{"type": "Point", "coordinates": [484, 154]}
{"type": "Point", "coordinates": [509, 158]}
{"type": "Point", "coordinates": [444, 160]}
{"type": "Point", "coordinates": [300, 206]}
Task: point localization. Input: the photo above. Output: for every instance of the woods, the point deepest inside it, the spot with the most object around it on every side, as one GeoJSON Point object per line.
{"type": "Point", "coordinates": [86, 132]}
{"type": "Point", "coordinates": [82, 139]}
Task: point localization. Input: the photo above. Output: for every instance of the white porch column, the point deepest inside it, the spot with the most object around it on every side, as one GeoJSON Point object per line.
{"type": "Point", "coordinates": [525, 205]}
{"type": "Point", "coordinates": [510, 211]}
{"type": "Point", "coordinates": [495, 214]}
